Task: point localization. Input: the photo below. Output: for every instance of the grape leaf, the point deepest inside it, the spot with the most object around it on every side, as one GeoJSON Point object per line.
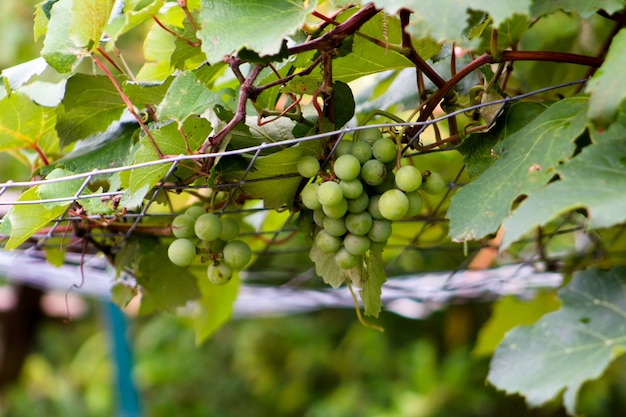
{"type": "Point", "coordinates": [27, 219]}
{"type": "Point", "coordinates": [371, 288]}
{"type": "Point", "coordinates": [326, 267]}
{"type": "Point", "coordinates": [19, 74]}
{"type": "Point", "coordinates": [58, 48]}
{"type": "Point", "coordinates": [252, 18]}
{"type": "Point", "coordinates": [91, 103]}
{"type": "Point", "coordinates": [88, 18]}
{"type": "Point", "coordinates": [25, 125]}
{"type": "Point", "coordinates": [569, 346]}
{"type": "Point", "coordinates": [148, 92]}
{"type": "Point", "coordinates": [594, 180]}
{"type": "Point", "coordinates": [607, 87]}
{"type": "Point", "coordinates": [526, 161]}
{"type": "Point", "coordinates": [215, 306]}
{"type": "Point", "coordinates": [582, 7]}
{"type": "Point", "coordinates": [55, 190]}
{"type": "Point", "coordinates": [141, 11]}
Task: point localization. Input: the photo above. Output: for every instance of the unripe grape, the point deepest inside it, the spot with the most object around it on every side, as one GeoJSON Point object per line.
{"type": "Point", "coordinates": [208, 227]}
{"type": "Point", "coordinates": [182, 226]}
{"type": "Point", "coordinates": [362, 151]}
{"type": "Point", "coordinates": [387, 184]}
{"type": "Point", "coordinates": [356, 244]}
{"type": "Point", "coordinates": [195, 211]}
{"type": "Point", "coordinates": [318, 217]}
{"type": "Point", "coordinates": [408, 178]}
{"type": "Point", "coordinates": [352, 188]}
{"type": "Point", "coordinates": [237, 254]}
{"type": "Point", "coordinates": [217, 245]}
{"type": "Point", "coordinates": [219, 273]}
{"type": "Point", "coordinates": [384, 150]}
{"type": "Point", "coordinates": [309, 197]}
{"type": "Point", "coordinates": [343, 148]}
{"type": "Point", "coordinates": [370, 135]}
{"type": "Point", "coordinates": [181, 252]}
{"type": "Point", "coordinates": [230, 229]}
{"type": "Point", "coordinates": [373, 172]}
{"type": "Point", "coordinates": [380, 231]}
{"type": "Point", "coordinates": [337, 211]}
{"type": "Point", "coordinates": [329, 193]}
{"type": "Point", "coordinates": [359, 204]}
{"type": "Point", "coordinates": [373, 207]}
{"type": "Point", "coordinates": [393, 204]}
{"type": "Point", "coordinates": [308, 166]}
{"type": "Point", "coordinates": [336, 227]}
{"type": "Point", "coordinates": [416, 202]}
{"type": "Point", "coordinates": [434, 184]}
{"type": "Point", "coordinates": [346, 260]}
{"type": "Point", "coordinates": [326, 242]}
{"type": "Point", "coordinates": [359, 223]}
{"type": "Point", "coordinates": [347, 167]}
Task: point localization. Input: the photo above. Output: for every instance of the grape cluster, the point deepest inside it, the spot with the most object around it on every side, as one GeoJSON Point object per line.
{"type": "Point", "coordinates": [356, 202]}
{"type": "Point", "coordinates": [212, 236]}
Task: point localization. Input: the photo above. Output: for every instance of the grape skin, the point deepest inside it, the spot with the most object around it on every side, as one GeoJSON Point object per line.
{"type": "Point", "coordinates": [336, 211]}
{"type": "Point", "coordinates": [335, 227]}
{"type": "Point", "coordinates": [329, 193]}
{"type": "Point", "coordinates": [195, 211]}
{"type": "Point", "coordinates": [346, 260]}
{"type": "Point", "coordinates": [408, 178]}
{"type": "Point", "coordinates": [384, 150]}
{"type": "Point", "coordinates": [373, 172]}
{"type": "Point", "coordinates": [308, 166]}
{"type": "Point", "coordinates": [356, 244]}
{"type": "Point", "coordinates": [351, 189]}
{"type": "Point", "coordinates": [326, 242]}
{"type": "Point", "coordinates": [230, 229]}
{"type": "Point", "coordinates": [347, 167]}
{"type": "Point", "coordinates": [208, 227]}
{"type": "Point", "coordinates": [182, 226]}
{"type": "Point", "coordinates": [393, 204]}
{"type": "Point", "coordinates": [237, 254]}
{"type": "Point", "coordinates": [359, 204]}
{"type": "Point", "coordinates": [181, 252]}
{"type": "Point", "coordinates": [434, 184]}
{"type": "Point", "coordinates": [359, 223]}
{"type": "Point", "coordinates": [370, 135]}
{"type": "Point", "coordinates": [219, 273]}
{"type": "Point", "coordinates": [309, 197]}
{"type": "Point", "coordinates": [380, 231]}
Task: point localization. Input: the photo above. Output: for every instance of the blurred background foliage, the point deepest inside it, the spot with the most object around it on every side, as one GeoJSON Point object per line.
{"type": "Point", "coordinates": [312, 365]}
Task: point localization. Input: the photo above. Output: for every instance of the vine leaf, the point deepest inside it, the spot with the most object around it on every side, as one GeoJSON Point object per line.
{"type": "Point", "coordinates": [569, 346]}
{"type": "Point", "coordinates": [526, 161]}
{"type": "Point", "coordinates": [58, 48]}
{"type": "Point", "coordinates": [607, 88]}
{"type": "Point", "coordinates": [19, 74]}
{"type": "Point", "coordinates": [371, 287]}
{"type": "Point", "coordinates": [27, 219]}
{"type": "Point", "coordinates": [326, 267]}
{"type": "Point", "coordinates": [582, 7]}
{"type": "Point", "coordinates": [122, 23]}
{"type": "Point", "coordinates": [91, 103]}
{"type": "Point", "coordinates": [252, 18]}
{"type": "Point", "coordinates": [215, 306]}
{"type": "Point", "coordinates": [88, 19]}
{"type": "Point", "coordinates": [594, 180]}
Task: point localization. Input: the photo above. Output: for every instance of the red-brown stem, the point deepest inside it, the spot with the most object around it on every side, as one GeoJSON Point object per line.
{"type": "Point", "coordinates": [192, 22]}
{"type": "Point", "coordinates": [41, 154]}
{"type": "Point", "coordinates": [171, 32]}
{"type": "Point", "coordinates": [111, 60]}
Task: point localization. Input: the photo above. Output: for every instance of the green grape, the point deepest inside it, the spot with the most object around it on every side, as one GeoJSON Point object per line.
{"type": "Point", "coordinates": [356, 244]}
{"type": "Point", "coordinates": [326, 242]}
{"type": "Point", "coordinates": [434, 184]}
{"type": "Point", "coordinates": [373, 209]}
{"type": "Point", "coordinates": [336, 211]}
{"type": "Point", "coordinates": [309, 197]}
{"type": "Point", "coordinates": [380, 231]}
{"type": "Point", "coordinates": [195, 211]}
{"type": "Point", "coordinates": [230, 229]}
{"type": "Point", "coordinates": [347, 167]}
{"type": "Point", "coordinates": [318, 217]}
{"type": "Point", "coordinates": [359, 204]}
{"type": "Point", "coordinates": [208, 227]}
{"type": "Point", "coordinates": [329, 193]}
{"type": "Point", "coordinates": [219, 273]}
{"type": "Point", "coordinates": [182, 226]}
{"type": "Point", "coordinates": [384, 150]}
{"type": "Point", "coordinates": [237, 254]}
{"type": "Point", "coordinates": [308, 166]}
{"type": "Point", "coordinates": [346, 260]}
{"type": "Point", "coordinates": [393, 204]}
{"type": "Point", "coordinates": [408, 178]}
{"type": "Point", "coordinates": [181, 252]}
{"type": "Point", "coordinates": [335, 227]}
{"type": "Point", "coordinates": [370, 135]}
{"type": "Point", "coordinates": [362, 151]}
{"type": "Point", "coordinates": [373, 172]}
{"type": "Point", "coordinates": [416, 202]}
{"type": "Point", "coordinates": [352, 188]}
{"type": "Point", "coordinates": [359, 223]}
{"type": "Point", "coordinates": [343, 148]}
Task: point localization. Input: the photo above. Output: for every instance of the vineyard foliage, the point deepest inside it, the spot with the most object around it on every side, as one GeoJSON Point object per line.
{"type": "Point", "coordinates": [512, 113]}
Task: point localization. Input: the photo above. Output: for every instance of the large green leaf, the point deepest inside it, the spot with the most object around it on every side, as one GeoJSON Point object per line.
{"type": "Point", "coordinates": [525, 162]}
{"type": "Point", "coordinates": [135, 13]}
{"type": "Point", "coordinates": [91, 103]}
{"type": "Point", "coordinates": [59, 49]}
{"type": "Point", "coordinates": [594, 180]}
{"type": "Point", "coordinates": [261, 25]}
{"type": "Point", "coordinates": [584, 8]}
{"type": "Point", "coordinates": [26, 125]}
{"type": "Point", "coordinates": [371, 290]}
{"type": "Point", "coordinates": [568, 347]}
{"type": "Point", "coordinates": [607, 88]}
{"type": "Point", "coordinates": [89, 18]}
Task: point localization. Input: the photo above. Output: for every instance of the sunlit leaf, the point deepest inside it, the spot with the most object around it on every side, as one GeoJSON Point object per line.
{"type": "Point", "coordinates": [58, 48]}
{"type": "Point", "coordinates": [88, 18]}
{"type": "Point", "coordinates": [215, 306]}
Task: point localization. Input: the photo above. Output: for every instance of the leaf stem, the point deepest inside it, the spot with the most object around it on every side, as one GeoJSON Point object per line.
{"type": "Point", "coordinates": [358, 310]}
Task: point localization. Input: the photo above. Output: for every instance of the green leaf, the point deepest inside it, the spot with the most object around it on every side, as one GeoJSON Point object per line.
{"type": "Point", "coordinates": [88, 19]}
{"type": "Point", "coordinates": [26, 125]}
{"type": "Point", "coordinates": [607, 87]}
{"type": "Point", "coordinates": [566, 348]}
{"type": "Point", "coordinates": [326, 267]}
{"type": "Point", "coordinates": [135, 13]}
{"type": "Point", "coordinates": [526, 161]}
{"type": "Point", "coordinates": [582, 7]}
{"type": "Point", "coordinates": [252, 18]}
{"type": "Point", "coordinates": [27, 219]}
{"type": "Point", "coordinates": [58, 48]}
{"type": "Point", "coordinates": [343, 103]}
{"type": "Point", "coordinates": [371, 288]}
{"type": "Point", "coordinates": [60, 189]}
{"type": "Point", "coordinates": [477, 149]}
{"type": "Point", "coordinates": [91, 103]}
{"type": "Point", "coordinates": [19, 74]}
{"type": "Point", "coordinates": [509, 312]}
{"type": "Point", "coordinates": [150, 92]}
{"type": "Point", "coordinates": [595, 180]}
{"type": "Point", "coordinates": [215, 306]}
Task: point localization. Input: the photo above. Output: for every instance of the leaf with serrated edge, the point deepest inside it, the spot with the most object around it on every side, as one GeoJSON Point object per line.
{"type": "Point", "coordinates": [185, 97]}
{"type": "Point", "coordinates": [526, 162]}
{"type": "Point", "coordinates": [371, 290]}
{"type": "Point", "coordinates": [607, 87]}
{"type": "Point", "coordinates": [58, 48]}
{"type": "Point", "coordinates": [568, 347]}
{"type": "Point", "coordinates": [252, 18]}
{"type": "Point", "coordinates": [594, 180]}
{"type": "Point", "coordinates": [326, 267]}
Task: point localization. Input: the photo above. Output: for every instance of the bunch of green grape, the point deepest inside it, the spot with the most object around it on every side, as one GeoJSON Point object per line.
{"type": "Point", "coordinates": [355, 202]}
{"type": "Point", "coordinates": [214, 238]}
